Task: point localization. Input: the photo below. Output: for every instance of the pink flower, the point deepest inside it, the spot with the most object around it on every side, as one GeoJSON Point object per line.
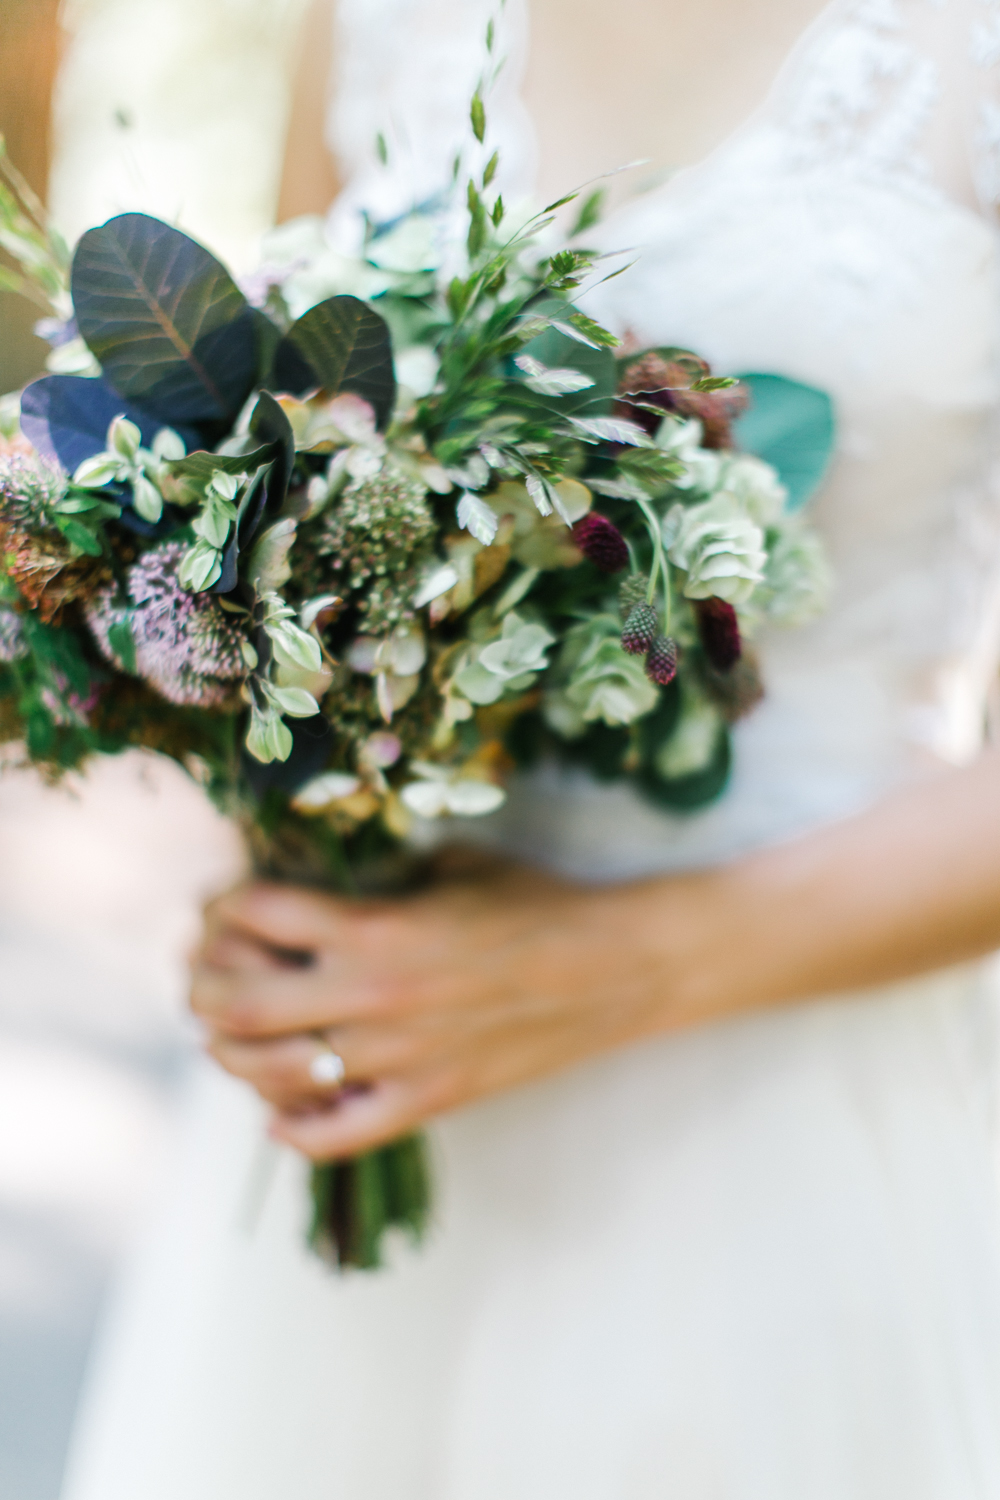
{"type": "Point", "coordinates": [186, 646]}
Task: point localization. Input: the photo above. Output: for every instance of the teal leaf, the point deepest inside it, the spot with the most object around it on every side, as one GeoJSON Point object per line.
{"type": "Point", "coordinates": [792, 427]}
{"type": "Point", "coordinates": [339, 345]}
{"type": "Point", "coordinates": [165, 320]}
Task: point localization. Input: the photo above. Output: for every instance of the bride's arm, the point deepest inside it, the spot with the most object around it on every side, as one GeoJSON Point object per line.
{"type": "Point", "coordinates": [502, 975]}
{"type": "Point", "coordinates": [309, 177]}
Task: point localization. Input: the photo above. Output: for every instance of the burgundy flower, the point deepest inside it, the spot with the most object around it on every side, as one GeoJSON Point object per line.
{"type": "Point", "coordinates": [661, 663]}
{"type": "Point", "coordinates": [665, 385]}
{"type": "Point", "coordinates": [601, 542]}
{"type": "Point", "coordinates": [720, 632]}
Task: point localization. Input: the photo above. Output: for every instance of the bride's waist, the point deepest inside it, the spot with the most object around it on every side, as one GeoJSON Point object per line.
{"type": "Point", "coordinates": [809, 755]}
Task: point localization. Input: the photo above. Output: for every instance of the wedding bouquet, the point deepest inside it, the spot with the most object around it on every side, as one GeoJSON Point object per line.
{"type": "Point", "coordinates": [353, 567]}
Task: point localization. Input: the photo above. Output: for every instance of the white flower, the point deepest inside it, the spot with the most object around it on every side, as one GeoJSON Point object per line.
{"type": "Point", "coordinates": [395, 663]}
{"type": "Point", "coordinates": [417, 369]}
{"type": "Point", "coordinates": [798, 579]}
{"type": "Point", "coordinates": [509, 664]}
{"type": "Point", "coordinates": [440, 791]}
{"type": "Point", "coordinates": [321, 791]}
{"type": "Point", "coordinates": [607, 684]}
{"type": "Point", "coordinates": [755, 486]}
{"type": "Point", "coordinates": [682, 440]}
{"type": "Point", "coordinates": [719, 548]}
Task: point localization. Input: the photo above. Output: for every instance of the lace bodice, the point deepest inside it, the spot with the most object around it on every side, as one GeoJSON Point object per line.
{"type": "Point", "coordinates": [843, 236]}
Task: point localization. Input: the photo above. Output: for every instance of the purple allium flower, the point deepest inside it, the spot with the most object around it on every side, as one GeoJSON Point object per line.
{"type": "Point", "coordinates": [186, 646]}
{"type": "Point", "coordinates": [601, 542]}
{"type": "Point", "coordinates": [720, 632]}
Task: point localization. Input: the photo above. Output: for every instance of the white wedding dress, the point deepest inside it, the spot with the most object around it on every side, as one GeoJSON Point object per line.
{"type": "Point", "coordinates": [760, 1261]}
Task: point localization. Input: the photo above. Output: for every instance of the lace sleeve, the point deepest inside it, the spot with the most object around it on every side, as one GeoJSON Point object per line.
{"type": "Point", "coordinates": [985, 57]}
{"type": "Point", "coordinates": [406, 71]}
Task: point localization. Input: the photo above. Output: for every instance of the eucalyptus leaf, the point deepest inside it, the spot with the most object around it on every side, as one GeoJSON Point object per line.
{"type": "Point", "coordinates": [612, 430]}
{"type": "Point", "coordinates": [339, 345]}
{"type": "Point", "coordinates": [792, 427]}
{"type": "Point", "coordinates": [165, 320]}
{"type": "Point", "coordinates": [478, 518]}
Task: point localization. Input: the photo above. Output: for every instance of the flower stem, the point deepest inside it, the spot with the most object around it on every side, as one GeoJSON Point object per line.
{"type": "Point", "coordinates": [660, 568]}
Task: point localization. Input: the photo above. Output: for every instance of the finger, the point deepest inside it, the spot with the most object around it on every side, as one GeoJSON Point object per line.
{"type": "Point", "coordinates": [280, 1070]}
{"type": "Point", "coordinates": [284, 917]}
{"type": "Point", "coordinates": [269, 1002]}
{"type": "Point", "coordinates": [354, 1123]}
{"type": "Point", "coordinates": [234, 951]}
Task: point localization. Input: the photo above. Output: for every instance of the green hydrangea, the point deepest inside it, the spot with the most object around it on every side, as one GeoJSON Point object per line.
{"type": "Point", "coordinates": [719, 548]}
{"type": "Point", "coordinates": [599, 681]}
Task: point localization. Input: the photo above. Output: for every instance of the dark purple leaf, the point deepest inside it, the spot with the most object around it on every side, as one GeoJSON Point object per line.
{"type": "Point", "coordinates": [339, 345]}
{"type": "Point", "coordinates": [66, 417]}
{"type": "Point", "coordinates": [166, 321]}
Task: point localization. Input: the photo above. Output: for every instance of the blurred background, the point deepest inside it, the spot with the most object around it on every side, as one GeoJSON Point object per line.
{"type": "Point", "coordinates": [181, 108]}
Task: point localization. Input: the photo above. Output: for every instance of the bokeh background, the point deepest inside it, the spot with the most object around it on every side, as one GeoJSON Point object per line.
{"type": "Point", "coordinates": [181, 108]}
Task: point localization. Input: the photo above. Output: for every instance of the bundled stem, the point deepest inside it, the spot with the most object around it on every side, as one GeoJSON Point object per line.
{"type": "Point", "coordinates": [356, 1201]}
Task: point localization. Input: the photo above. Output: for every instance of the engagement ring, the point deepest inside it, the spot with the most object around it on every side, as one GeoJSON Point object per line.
{"type": "Point", "coordinates": [327, 1067]}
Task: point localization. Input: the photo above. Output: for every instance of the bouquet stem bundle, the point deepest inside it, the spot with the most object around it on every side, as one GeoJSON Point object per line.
{"type": "Point", "coordinates": [357, 1200]}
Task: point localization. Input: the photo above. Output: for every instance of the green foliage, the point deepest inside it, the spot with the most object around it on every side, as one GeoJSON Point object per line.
{"type": "Point", "coordinates": [477, 114]}
{"type": "Point", "coordinates": [590, 213]}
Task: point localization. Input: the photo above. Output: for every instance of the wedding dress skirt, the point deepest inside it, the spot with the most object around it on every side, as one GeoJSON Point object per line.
{"type": "Point", "coordinates": [760, 1261]}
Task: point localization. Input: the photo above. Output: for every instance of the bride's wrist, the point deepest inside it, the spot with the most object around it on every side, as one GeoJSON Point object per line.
{"type": "Point", "coordinates": [700, 939]}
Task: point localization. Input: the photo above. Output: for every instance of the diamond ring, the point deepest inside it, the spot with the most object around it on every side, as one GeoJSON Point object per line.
{"type": "Point", "coordinates": [327, 1067]}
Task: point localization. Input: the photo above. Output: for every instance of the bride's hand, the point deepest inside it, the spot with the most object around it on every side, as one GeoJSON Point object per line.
{"type": "Point", "coordinates": [494, 975]}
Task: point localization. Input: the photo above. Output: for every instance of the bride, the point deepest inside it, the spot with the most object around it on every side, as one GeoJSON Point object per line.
{"type": "Point", "coordinates": [712, 1096]}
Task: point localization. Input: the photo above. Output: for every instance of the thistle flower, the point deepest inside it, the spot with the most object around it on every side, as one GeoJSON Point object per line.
{"type": "Point", "coordinates": [719, 630]}
{"type": "Point", "coordinates": [602, 543]}
{"type": "Point", "coordinates": [640, 630]}
{"type": "Point", "coordinates": [30, 490]}
{"type": "Point", "coordinates": [186, 646]}
{"type": "Point", "coordinates": [661, 663]}
{"type": "Point", "coordinates": [36, 556]}
{"type": "Point", "coordinates": [377, 536]}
